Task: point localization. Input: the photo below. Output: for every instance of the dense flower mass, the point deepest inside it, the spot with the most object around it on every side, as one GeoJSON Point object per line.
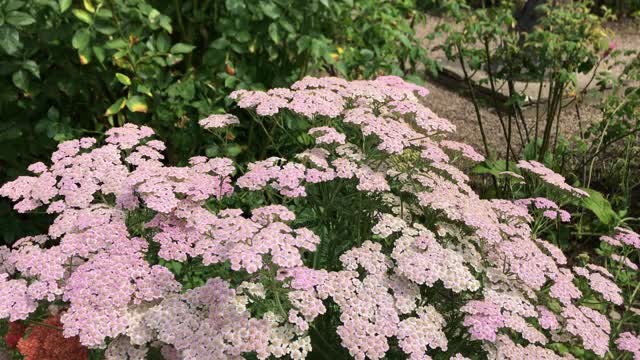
{"type": "Point", "coordinates": [216, 260]}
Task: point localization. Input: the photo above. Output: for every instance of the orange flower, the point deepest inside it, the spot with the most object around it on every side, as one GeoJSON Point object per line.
{"type": "Point", "coordinates": [15, 333]}
{"type": "Point", "coordinates": [46, 342]}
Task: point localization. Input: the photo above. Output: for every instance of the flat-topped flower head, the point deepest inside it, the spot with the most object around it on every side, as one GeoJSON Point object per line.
{"type": "Point", "coordinates": [550, 177]}
{"type": "Point", "coordinates": [128, 136]}
{"type": "Point", "coordinates": [623, 237]}
{"type": "Point", "coordinates": [218, 121]}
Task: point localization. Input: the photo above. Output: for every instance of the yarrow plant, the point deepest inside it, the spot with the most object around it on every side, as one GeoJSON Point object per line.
{"type": "Point", "coordinates": [368, 244]}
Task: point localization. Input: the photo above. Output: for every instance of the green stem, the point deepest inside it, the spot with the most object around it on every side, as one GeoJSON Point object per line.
{"type": "Point", "coordinates": [38, 323]}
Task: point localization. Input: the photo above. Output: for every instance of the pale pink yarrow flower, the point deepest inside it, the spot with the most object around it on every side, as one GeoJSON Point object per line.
{"type": "Point", "coordinates": [217, 121]}
{"type": "Point", "coordinates": [627, 341]}
{"type": "Point", "coordinates": [550, 177]}
{"type": "Point", "coordinates": [625, 260]}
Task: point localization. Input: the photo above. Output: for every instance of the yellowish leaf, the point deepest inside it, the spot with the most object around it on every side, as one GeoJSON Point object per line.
{"type": "Point", "coordinates": [89, 6]}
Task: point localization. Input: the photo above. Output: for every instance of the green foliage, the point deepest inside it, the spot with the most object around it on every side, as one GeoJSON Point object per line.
{"type": "Point", "coordinates": [622, 8]}
{"type": "Point", "coordinates": [75, 68]}
{"type": "Point", "coordinates": [600, 207]}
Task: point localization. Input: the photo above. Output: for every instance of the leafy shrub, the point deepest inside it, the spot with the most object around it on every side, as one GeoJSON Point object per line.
{"type": "Point", "coordinates": [622, 8]}
{"type": "Point", "coordinates": [72, 69]}
{"type": "Point", "coordinates": [568, 40]}
{"type": "Point", "coordinates": [360, 238]}
{"type": "Point", "coordinates": [607, 152]}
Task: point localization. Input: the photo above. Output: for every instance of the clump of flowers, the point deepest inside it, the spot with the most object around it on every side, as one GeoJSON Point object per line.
{"type": "Point", "coordinates": [629, 342]}
{"type": "Point", "coordinates": [14, 334]}
{"type": "Point", "coordinates": [218, 121]}
{"type": "Point", "coordinates": [367, 243]}
{"type": "Point", "coordinates": [46, 341]}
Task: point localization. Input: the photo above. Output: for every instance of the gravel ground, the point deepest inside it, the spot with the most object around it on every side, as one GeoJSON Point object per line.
{"type": "Point", "coordinates": [460, 111]}
{"type": "Point", "coordinates": [458, 108]}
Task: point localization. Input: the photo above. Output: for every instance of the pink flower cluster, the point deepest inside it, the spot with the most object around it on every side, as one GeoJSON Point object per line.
{"type": "Point", "coordinates": [371, 307]}
{"type": "Point", "coordinates": [625, 260]}
{"type": "Point", "coordinates": [549, 177]}
{"type": "Point", "coordinates": [629, 342]}
{"type": "Point", "coordinates": [506, 349]}
{"type": "Point", "coordinates": [623, 237]}
{"type": "Point", "coordinates": [430, 237]}
{"type": "Point", "coordinates": [602, 283]}
{"type": "Point", "coordinates": [218, 121]}
{"type": "Point", "coordinates": [502, 310]}
{"type": "Point", "coordinates": [591, 326]}
{"type": "Point", "coordinates": [204, 323]}
{"type": "Point", "coordinates": [550, 209]}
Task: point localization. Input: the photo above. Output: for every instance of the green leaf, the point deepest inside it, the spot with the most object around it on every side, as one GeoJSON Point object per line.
{"type": "Point", "coordinates": [273, 33]}
{"type": "Point", "coordinates": [32, 67]}
{"type": "Point", "coordinates": [89, 6]}
{"type": "Point", "coordinates": [123, 79]}
{"type": "Point", "coordinates": [20, 80]}
{"type": "Point", "coordinates": [160, 61]}
{"type": "Point", "coordinates": [165, 23]}
{"type": "Point", "coordinates": [137, 104]}
{"type": "Point", "coordinates": [233, 150]}
{"type": "Point", "coordinates": [99, 52]}
{"type": "Point", "coordinates": [173, 59]}
{"type": "Point", "coordinates": [212, 151]}
{"type": "Point", "coordinates": [64, 5]}
{"type": "Point", "coordinates": [163, 43]}
{"type": "Point", "coordinates": [116, 107]}
{"type": "Point", "coordinates": [81, 39]}
{"type": "Point", "coordinates": [83, 16]}
{"type": "Point", "coordinates": [367, 54]}
{"type": "Point", "coordinates": [287, 26]}
{"type": "Point", "coordinates": [10, 40]}
{"type": "Point", "coordinates": [490, 167]}
{"type": "Point", "coordinates": [235, 7]}
{"type": "Point", "coordinates": [243, 36]}
{"type": "Point", "coordinates": [84, 55]}
{"type": "Point", "coordinates": [153, 16]}
{"type": "Point", "coordinates": [145, 90]}
{"type": "Point", "coordinates": [104, 13]}
{"type": "Point", "coordinates": [219, 43]}
{"type": "Point", "coordinates": [184, 89]}
{"type": "Point", "coordinates": [230, 81]}
{"type": "Point", "coordinates": [116, 44]}
{"type": "Point", "coordinates": [599, 206]}
{"type": "Point", "coordinates": [53, 114]}
{"type": "Point", "coordinates": [19, 18]}
{"type": "Point", "coordinates": [13, 5]}
{"type": "Point", "coordinates": [270, 9]}
{"type": "Point", "coordinates": [105, 29]}
{"type": "Point", "coordinates": [182, 48]}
